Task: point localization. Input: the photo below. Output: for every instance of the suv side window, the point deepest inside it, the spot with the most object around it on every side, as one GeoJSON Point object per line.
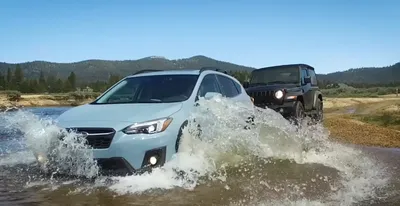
{"type": "Point", "coordinates": [228, 87]}
{"type": "Point", "coordinates": [238, 87]}
{"type": "Point", "coordinates": [313, 77]}
{"type": "Point", "coordinates": [303, 75]}
{"type": "Point", "coordinates": [208, 84]}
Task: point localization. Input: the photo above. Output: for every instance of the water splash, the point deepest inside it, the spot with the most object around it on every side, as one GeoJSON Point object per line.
{"type": "Point", "coordinates": [223, 143]}
{"type": "Point", "coordinates": [70, 156]}
{"type": "Point", "coordinates": [273, 162]}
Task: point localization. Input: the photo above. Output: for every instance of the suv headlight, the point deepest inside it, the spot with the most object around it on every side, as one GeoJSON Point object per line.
{"type": "Point", "coordinates": [278, 94]}
{"type": "Point", "coordinates": [149, 127]}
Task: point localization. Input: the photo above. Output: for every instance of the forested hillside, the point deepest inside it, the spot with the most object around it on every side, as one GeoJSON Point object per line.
{"type": "Point", "coordinates": [41, 76]}
{"type": "Point", "coordinates": [93, 70]}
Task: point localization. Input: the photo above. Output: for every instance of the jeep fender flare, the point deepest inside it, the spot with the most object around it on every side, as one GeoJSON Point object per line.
{"type": "Point", "coordinates": [316, 96]}
{"type": "Point", "coordinates": [298, 93]}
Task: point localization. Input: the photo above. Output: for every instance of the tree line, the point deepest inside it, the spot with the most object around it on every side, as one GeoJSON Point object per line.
{"type": "Point", "coordinates": [14, 79]}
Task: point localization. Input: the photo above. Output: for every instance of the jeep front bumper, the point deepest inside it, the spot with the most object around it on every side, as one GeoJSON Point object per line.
{"type": "Point", "coordinates": [286, 109]}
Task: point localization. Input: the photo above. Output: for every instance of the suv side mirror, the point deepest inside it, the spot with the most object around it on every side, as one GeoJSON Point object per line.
{"type": "Point", "coordinates": [210, 95]}
{"type": "Point", "coordinates": [307, 80]}
{"type": "Point", "coordinates": [246, 84]}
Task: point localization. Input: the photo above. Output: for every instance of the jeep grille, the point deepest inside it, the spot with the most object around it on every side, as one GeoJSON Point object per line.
{"type": "Point", "coordinates": [262, 97]}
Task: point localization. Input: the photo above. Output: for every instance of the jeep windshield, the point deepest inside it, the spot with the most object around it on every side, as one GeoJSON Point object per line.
{"type": "Point", "coordinates": [276, 75]}
{"type": "Point", "coordinates": [150, 89]}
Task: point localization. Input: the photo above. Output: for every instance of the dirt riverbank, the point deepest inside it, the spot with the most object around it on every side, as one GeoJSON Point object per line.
{"type": "Point", "coordinates": [364, 121]}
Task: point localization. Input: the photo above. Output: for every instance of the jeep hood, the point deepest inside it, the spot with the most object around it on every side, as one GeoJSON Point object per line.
{"type": "Point", "coordinates": [113, 115]}
{"type": "Point", "coordinates": [270, 87]}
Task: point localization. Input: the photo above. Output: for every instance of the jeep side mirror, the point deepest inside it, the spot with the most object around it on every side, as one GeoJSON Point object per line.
{"type": "Point", "coordinates": [246, 84]}
{"type": "Point", "coordinates": [307, 80]}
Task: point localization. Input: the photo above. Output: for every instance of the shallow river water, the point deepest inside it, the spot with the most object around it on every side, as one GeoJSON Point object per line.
{"type": "Point", "coordinates": [273, 163]}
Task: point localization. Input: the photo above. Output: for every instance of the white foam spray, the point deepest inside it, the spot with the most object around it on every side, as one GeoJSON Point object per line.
{"type": "Point", "coordinates": [222, 144]}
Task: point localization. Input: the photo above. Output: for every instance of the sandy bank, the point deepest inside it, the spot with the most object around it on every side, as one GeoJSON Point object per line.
{"type": "Point", "coordinates": [41, 100]}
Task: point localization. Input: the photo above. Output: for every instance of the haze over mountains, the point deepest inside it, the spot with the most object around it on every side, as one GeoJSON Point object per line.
{"type": "Point", "coordinates": [92, 70]}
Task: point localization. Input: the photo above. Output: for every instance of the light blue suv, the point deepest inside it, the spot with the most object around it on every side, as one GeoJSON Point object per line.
{"type": "Point", "coordinates": [136, 124]}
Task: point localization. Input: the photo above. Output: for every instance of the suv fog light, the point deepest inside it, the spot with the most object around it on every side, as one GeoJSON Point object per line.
{"type": "Point", "coordinates": [153, 160]}
{"type": "Point", "coordinates": [281, 110]}
{"type": "Point", "coordinates": [41, 158]}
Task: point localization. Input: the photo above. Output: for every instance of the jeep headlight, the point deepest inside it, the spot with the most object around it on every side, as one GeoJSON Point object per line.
{"type": "Point", "coordinates": [278, 94]}
{"type": "Point", "coordinates": [149, 127]}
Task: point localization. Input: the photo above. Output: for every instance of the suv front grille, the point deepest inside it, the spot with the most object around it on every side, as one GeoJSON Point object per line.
{"type": "Point", "coordinates": [97, 138]}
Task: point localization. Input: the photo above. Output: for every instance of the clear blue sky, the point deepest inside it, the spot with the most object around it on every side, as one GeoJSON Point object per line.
{"type": "Point", "coordinates": [330, 35]}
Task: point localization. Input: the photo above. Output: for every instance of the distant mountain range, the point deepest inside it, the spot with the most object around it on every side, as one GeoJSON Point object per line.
{"type": "Point", "coordinates": [367, 75]}
{"type": "Point", "coordinates": [92, 70]}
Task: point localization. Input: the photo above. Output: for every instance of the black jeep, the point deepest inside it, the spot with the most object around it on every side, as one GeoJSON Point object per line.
{"type": "Point", "coordinates": [291, 90]}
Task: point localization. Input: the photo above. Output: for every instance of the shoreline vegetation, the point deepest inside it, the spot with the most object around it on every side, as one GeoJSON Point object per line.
{"type": "Point", "coordinates": [362, 120]}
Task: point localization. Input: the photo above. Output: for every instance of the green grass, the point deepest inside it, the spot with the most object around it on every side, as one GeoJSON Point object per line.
{"type": "Point", "coordinates": [385, 119]}
{"type": "Point", "coordinates": [358, 92]}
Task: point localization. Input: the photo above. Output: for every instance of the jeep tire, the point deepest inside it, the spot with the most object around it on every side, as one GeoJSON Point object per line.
{"type": "Point", "coordinates": [319, 113]}
{"type": "Point", "coordinates": [298, 113]}
{"type": "Point", "coordinates": [299, 110]}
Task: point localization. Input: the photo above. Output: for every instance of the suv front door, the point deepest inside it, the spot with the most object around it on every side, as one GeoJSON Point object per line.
{"type": "Point", "coordinates": [208, 84]}
{"type": "Point", "coordinates": [228, 88]}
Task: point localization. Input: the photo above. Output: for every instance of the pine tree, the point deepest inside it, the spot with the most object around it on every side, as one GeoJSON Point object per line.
{"type": "Point", "coordinates": [72, 81]}
{"type": "Point", "coordinates": [18, 77]}
{"type": "Point", "coordinates": [2, 82]}
{"type": "Point", "coordinates": [9, 79]}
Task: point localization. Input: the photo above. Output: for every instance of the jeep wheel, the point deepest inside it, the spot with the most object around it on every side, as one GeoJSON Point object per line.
{"type": "Point", "coordinates": [319, 116]}
{"type": "Point", "coordinates": [299, 110]}
{"type": "Point", "coordinates": [298, 114]}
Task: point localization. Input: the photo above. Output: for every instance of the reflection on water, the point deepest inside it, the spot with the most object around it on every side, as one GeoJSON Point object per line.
{"type": "Point", "coordinates": [271, 164]}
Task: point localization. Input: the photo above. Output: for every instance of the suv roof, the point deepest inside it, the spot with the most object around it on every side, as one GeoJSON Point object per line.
{"type": "Point", "coordinates": [287, 65]}
{"type": "Point", "coordinates": [176, 71]}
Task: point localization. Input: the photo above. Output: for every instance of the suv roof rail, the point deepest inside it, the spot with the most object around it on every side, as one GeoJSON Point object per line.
{"type": "Point", "coordinates": [147, 70]}
{"type": "Point", "coordinates": [213, 69]}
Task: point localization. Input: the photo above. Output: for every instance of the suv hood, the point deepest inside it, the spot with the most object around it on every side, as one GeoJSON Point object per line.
{"type": "Point", "coordinates": [270, 87]}
{"type": "Point", "coordinates": [111, 115]}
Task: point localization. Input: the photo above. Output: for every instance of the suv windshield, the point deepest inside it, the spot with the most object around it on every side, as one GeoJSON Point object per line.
{"type": "Point", "coordinates": [277, 75]}
{"type": "Point", "coordinates": [150, 89]}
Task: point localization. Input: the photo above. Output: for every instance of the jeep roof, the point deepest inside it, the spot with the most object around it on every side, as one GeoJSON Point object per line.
{"type": "Point", "coordinates": [286, 65]}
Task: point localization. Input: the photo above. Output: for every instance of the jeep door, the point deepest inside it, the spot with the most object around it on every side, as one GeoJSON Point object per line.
{"type": "Point", "coordinates": [307, 90]}
{"type": "Point", "coordinates": [314, 86]}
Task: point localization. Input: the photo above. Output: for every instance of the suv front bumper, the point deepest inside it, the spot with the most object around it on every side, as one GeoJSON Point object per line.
{"type": "Point", "coordinates": [130, 154]}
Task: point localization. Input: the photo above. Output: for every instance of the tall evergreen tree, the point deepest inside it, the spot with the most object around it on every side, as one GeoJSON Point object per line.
{"type": "Point", "coordinates": [9, 79]}
{"type": "Point", "coordinates": [2, 82]}
{"type": "Point", "coordinates": [42, 87]}
{"type": "Point", "coordinates": [18, 77]}
{"type": "Point", "coordinates": [72, 80]}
